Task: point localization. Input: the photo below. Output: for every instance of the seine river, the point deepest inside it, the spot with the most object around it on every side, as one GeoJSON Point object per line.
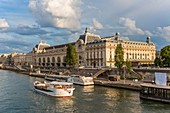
{"type": "Point", "coordinates": [17, 96]}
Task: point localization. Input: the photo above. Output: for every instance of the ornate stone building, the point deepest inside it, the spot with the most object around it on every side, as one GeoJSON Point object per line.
{"type": "Point", "coordinates": [19, 59]}
{"type": "Point", "coordinates": [94, 51]}
{"type": "Point", "coordinates": [101, 53]}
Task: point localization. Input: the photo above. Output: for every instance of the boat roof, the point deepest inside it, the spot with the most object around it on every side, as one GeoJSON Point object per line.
{"type": "Point", "coordinates": [63, 76]}
{"type": "Point", "coordinates": [155, 86]}
{"type": "Point", "coordinates": [60, 83]}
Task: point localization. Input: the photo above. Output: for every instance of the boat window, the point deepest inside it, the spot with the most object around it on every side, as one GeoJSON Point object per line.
{"type": "Point", "coordinates": [67, 86]}
{"type": "Point", "coordinates": [145, 90]}
{"type": "Point", "coordinates": [156, 92]}
{"type": "Point", "coordinates": [168, 94]}
{"type": "Point", "coordinates": [160, 92]}
{"type": "Point", "coordinates": [164, 93]}
{"type": "Point", "coordinates": [58, 86]}
{"type": "Point", "coordinates": [151, 91]}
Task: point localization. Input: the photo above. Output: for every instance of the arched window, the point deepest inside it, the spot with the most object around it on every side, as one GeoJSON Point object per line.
{"type": "Point", "coordinates": [53, 59]}
{"type": "Point", "coordinates": [48, 59]}
{"type": "Point", "coordinates": [39, 60]}
{"type": "Point", "coordinates": [43, 60]}
{"type": "Point", "coordinates": [58, 59]}
{"type": "Point", "coordinates": [64, 59]}
{"type": "Point", "coordinates": [80, 58]}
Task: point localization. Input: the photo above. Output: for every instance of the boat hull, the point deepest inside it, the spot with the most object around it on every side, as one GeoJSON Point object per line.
{"type": "Point", "coordinates": [59, 93]}
{"type": "Point", "coordinates": [154, 99]}
{"type": "Point", "coordinates": [81, 80]}
{"type": "Point", "coordinates": [82, 84]}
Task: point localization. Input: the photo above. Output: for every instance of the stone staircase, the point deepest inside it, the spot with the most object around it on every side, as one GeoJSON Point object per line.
{"type": "Point", "coordinates": [98, 73]}
{"type": "Point", "coordinates": [136, 74]}
{"type": "Point", "coordinates": [19, 67]}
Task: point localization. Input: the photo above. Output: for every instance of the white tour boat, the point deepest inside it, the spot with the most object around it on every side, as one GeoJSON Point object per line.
{"type": "Point", "coordinates": [56, 89]}
{"type": "Point", "coordinates": [81, 80]}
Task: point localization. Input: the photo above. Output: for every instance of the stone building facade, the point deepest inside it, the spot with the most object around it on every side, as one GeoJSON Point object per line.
{"type": "Point", "coordinates": [94, 51]}
{"type": "Point", "coordinates": [19, 59]}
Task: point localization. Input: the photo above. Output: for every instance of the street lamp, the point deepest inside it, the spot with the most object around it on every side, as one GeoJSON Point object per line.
{"type": "Point", "coordinates": [124, 72]}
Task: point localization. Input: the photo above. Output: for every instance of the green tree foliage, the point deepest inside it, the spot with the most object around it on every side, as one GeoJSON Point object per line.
{"type": "Point", "coordinates": [165, 55]}
{"type": "Point", "coordinates": [157, 62]}
{"type": "Point", "coordinates": [8, 60]}
{"type": "Point", "coordinates": [128, 67]}
{"type": "Point", "coordinates": [119, 57]}
{"type": "Point", "coordinates": [71, 56]}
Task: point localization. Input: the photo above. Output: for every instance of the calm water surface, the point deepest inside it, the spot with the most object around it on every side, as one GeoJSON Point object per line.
{"type": "Point", "coordinates": [17, 96]}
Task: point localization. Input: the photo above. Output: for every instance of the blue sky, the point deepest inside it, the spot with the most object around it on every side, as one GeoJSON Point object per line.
{"type": "Point", "coordinates": [23, 23]}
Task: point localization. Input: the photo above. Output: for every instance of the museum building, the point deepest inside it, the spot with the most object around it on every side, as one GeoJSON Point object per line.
{"type": "Point", "coordinates": [94, 51]}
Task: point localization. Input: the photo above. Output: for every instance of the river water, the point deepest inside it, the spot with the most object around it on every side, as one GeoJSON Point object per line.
{"type": "Point", "coordinates": [18, 96]}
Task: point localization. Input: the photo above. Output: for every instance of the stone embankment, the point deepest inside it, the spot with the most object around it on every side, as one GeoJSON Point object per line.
{"type": "Point", "coordinates": [124, 84]}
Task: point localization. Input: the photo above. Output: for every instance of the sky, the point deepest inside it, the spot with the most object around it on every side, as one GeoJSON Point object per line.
{"type": "Point", "coordinates": [23, 23]}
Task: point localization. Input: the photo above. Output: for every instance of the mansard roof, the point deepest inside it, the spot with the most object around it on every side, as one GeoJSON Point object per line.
{"type": "Point", "coordinates": [41, 45]}
{"type": "Point", "coordinates": [59, 46]}
{"type": "Point", "coordinates": [88, 37]}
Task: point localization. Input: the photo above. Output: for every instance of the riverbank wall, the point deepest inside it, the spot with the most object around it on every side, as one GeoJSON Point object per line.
{"type": "Point", "coordinates": [123, 84]}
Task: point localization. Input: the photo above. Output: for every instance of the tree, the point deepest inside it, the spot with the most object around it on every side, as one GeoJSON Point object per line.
{"type": "Point", "coordinates": [71, 56]}
{"type": "Point", "coordinates": [158, 62]}
{"type": "Point", "coordinates": [8, 60]}
{"type": "Point", "coordinates": [128, 67]}
{"type": "Point", "coordinates": [165, 55]}
{"type": "Point", "coordinates": [119, 57]}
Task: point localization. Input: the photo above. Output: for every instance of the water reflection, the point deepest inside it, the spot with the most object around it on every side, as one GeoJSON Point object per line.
{"type": "Point", "coordinates": [52, 104]}
{"type": "Point", "coordinates": [17, 96]}
{"type": "Point", "coordinates": [64, 105]}
{"type": "Point", "coordinates": [152, 106]}
{"type": "Point", "coordinates": [121, 101]}
{"type": "Point", "coordinates": [88, 88]}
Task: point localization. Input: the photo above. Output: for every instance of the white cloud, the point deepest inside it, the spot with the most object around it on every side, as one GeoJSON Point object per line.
{"type": "Point", "coordinates": [131, 28]}
{"type": "Point", "coordinates": [10, 42]}
{"type": "Point", "coordinates": [164, 32]}
{"type": "Point", "coordinates": [125, 38]}
{"type": "Point", "coordinates": [57, 13]}
{"type": "Point", "coordinates": [92, 7]}
{"type": "Point", "coordinates": [96, 24]}
{"type": "Point", "coordinates": [148, 33]}
{"type": "Point", "coordinates": [73, 37]}
{"type": "Point", "coordinates": [3, 24]}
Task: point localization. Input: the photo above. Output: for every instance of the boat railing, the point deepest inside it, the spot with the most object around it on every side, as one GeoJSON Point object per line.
{"type": "Point", "coordinates": [156, 95]}
{"type": "Point", "coordinates": [62, 87]}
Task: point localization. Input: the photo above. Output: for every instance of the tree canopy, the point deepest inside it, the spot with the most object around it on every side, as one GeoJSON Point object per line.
{"type": "Point", "coordinates": [157, 62]}
{"type": "Point", "coordinates": [119, 57]}
{"type": "Point", "coordinates": [71, 56]}
{"type": "Point", "coordinates": [128, 67]}
{"type": "Point", "coordinates": [165, 55]}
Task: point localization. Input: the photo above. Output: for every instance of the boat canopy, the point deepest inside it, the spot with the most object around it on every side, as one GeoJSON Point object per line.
{"type": "Point", "coordinates": [60, 83]}
{"type": "Point", "coordinates": [155, 86]}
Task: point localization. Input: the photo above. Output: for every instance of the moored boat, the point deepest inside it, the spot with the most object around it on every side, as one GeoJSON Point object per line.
{"type": "Point", "coordinates": [155, 92]}
{"type": "Point", "coordinates": [56, 89]}
{"type": "Point", "coordinates": [158, 90]}
{"type": "Point", "coordinates": [81, 80]}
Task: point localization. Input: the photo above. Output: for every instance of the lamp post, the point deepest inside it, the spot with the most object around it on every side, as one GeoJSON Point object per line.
{"type": "Point", "coordinates": [124, 73]}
